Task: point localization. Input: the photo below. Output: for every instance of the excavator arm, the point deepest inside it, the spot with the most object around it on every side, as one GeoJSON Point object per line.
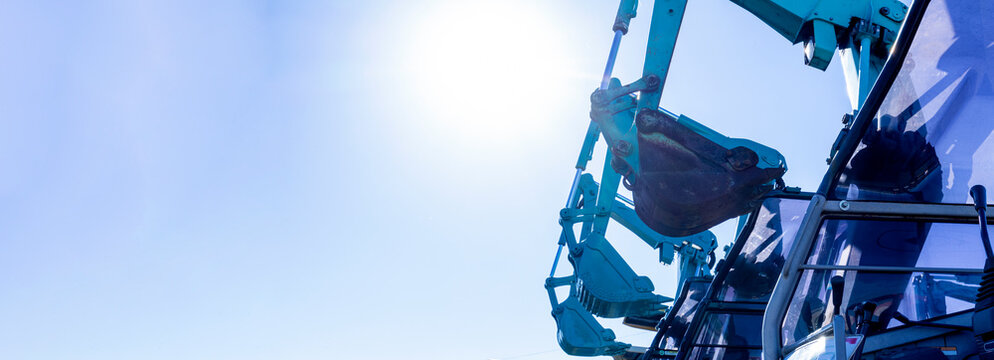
{"type": "Point", "coordinates": [685, 177]}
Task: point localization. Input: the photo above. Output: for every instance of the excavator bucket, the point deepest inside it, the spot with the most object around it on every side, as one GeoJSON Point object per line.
{"type": "Point", "coordinates": [608, 287]}
{"type": "Point", "coordinates": [579, 334]}
{"type": "Point", "coordinates": [692, 178]}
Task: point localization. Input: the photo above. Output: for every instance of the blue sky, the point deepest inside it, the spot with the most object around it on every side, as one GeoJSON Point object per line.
{"type": "Point", "coordinates": [333, 180]}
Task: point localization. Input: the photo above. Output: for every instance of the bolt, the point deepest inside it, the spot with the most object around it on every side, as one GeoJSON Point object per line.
{"type": "Point", "coordinates": [885, 11]}
{"type": "Point", "coordinates": [651, 82]}
{"type": "Point", "coordinates": [599, 97]}
{"type": "Point", "coordinates": [647, 120]}
{"type": "Point", "coordinates": [844, 205]}
{"type": "Point", "coordinates": [620, 166]}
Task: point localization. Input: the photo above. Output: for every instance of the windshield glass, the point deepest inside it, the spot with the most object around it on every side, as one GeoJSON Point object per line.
{"type": "Point", "coordinates": [677, 327]}
{"type": "Point", "coordinates": [729, 336]}
{"type": "Point", "coordinates": [754, 271]}
{"type": "Point", "coordinates": [731, 330]}
{"type": "Point", "coordinates": [931, 138]}
{"type": "Point", "coordinates": [892, 248]}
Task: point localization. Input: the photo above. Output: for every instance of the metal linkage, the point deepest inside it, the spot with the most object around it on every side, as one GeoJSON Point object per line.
{"type": "Point", "coordinates": [818, 24]}
{"type": "Point", "coordinates": [602, 282]}
{"type": "Point", "coordinates": [578, 332]}
{"type": "Point", "coordinates": [606, 285]}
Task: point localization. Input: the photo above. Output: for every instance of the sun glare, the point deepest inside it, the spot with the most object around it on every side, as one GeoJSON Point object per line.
{"type": "Point", "coordinates": [485, 70]}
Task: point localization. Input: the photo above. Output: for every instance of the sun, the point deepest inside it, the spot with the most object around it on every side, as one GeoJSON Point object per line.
{"type": "Point", "coordinates": [486, 69]}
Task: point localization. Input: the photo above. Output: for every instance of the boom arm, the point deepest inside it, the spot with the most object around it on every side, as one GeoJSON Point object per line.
{"type": "Point", "coordinates": [862, 31]}
{"type": "Point", "coordinates": [628, 116]}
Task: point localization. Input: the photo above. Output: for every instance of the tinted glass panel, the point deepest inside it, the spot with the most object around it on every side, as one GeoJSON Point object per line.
{"type": "Point", "coordinates": [739, 330]}
{"type": "Point", "coordinates": [898, 243]}
{"type": "Point", "coordinates": [684, 314]}
{"type": "Point", "coordinates": [754, 273]}
{"type": "Point", "coordinates": [888, 244]}
{"type": "Point", "coordinates": [917, 296]}
{"type": "Point", "coordinates": [931, 138]}
{"type": "Point", "coordinates": [709, 353]}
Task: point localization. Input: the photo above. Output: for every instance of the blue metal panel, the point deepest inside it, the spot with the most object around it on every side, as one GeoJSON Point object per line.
{"type": "Point", "coordinates": [578, 333]}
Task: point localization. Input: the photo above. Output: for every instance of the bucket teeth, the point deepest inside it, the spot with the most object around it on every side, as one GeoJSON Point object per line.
{"type": "Point", "coordinates": [608, 287]}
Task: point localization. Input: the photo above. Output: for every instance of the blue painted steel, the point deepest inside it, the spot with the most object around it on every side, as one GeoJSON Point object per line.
{"type": "Point", "coordinates": [922, 107]}
{"type": "Point", "coordinates": [578, 333]}
{"type": "Point", "coordinates": [818, 23]}
{"type": "Point", "coordinates": [862, 31]}
{"type": "Point", "coordinates": [626, 11]}
{"type": "Point", "coordinates": [667, 15]}
{"type": "Point", "coordinates": [624, 214]}
{"type": "Point", "coordinates": [605, 284]}
{"type": "Point", "coordinates": [613, 109]}
{"type": "Point", "coordinates": [602, 283]}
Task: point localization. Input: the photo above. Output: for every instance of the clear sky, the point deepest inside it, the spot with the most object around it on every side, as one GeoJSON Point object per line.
{"type": "Point", "coordinates": [333, 179]}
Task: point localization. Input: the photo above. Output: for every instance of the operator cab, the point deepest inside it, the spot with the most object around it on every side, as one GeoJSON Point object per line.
{"type": "Point", "coordinates": [909, 287]}
{"type": "Point", "coordinates": [896, 240]}
{"type": "Point", "coordinates": [722, 318]}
